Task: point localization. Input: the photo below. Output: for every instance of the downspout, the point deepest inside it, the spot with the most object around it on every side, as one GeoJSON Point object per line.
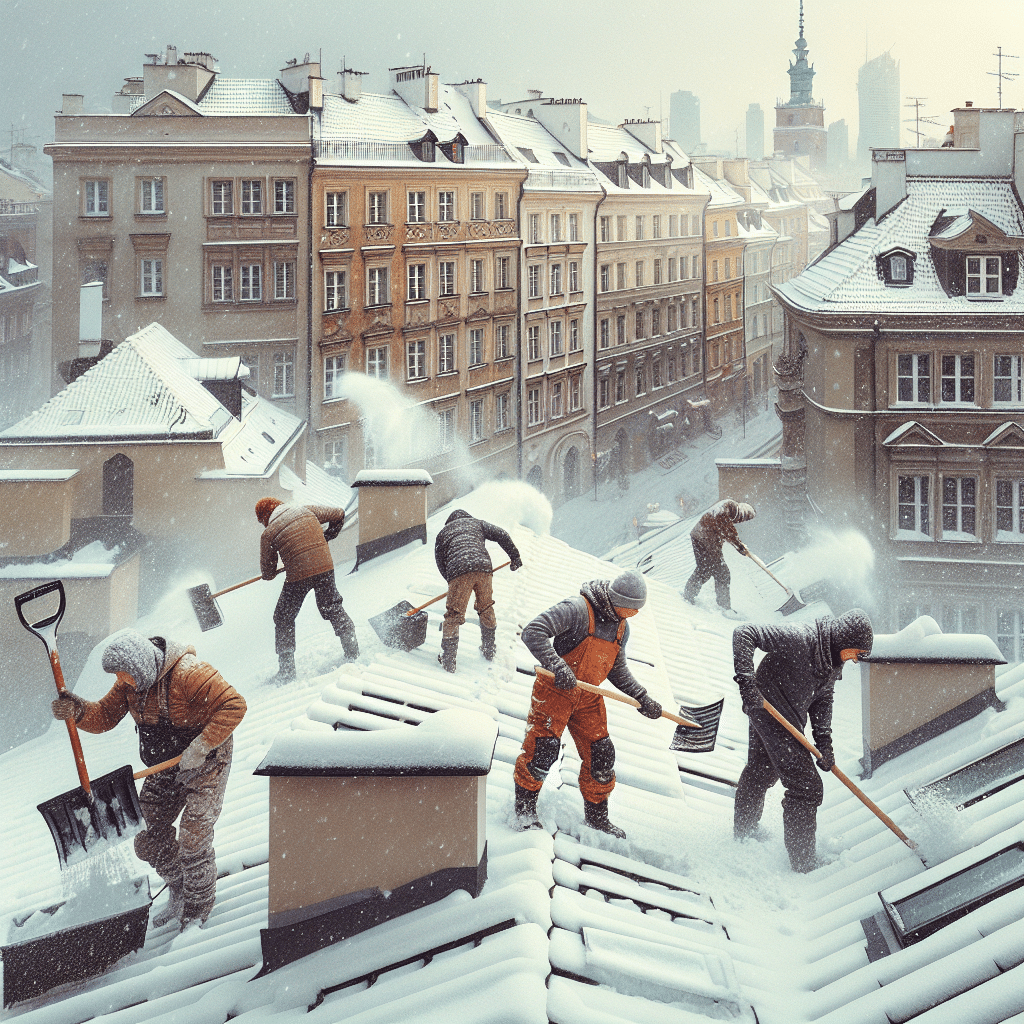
{"type": "Point", "coordinates": [519, 332]}
{"type": "Point", "coordinates": [704, 297]}
{"type": "Point", "coordinates": [309, 279]}
{"type": "Point", "coordinates": [593, 365]}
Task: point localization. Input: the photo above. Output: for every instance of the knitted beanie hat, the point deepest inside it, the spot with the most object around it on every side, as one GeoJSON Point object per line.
{"type": "Point", "coordinates": [132, 653]}
{"type": "Point", "coordinates": [264, 507]}
{"type": "Point", "coordinates": [628, 590]}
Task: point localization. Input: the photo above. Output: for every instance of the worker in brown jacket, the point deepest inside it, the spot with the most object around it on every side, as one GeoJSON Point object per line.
{"type": "Point", "coordinates": [295, 532]}
{"type": "Point", "coordinates": [715, 527]}
{"type": "Point", "coordinates": [180, 705]}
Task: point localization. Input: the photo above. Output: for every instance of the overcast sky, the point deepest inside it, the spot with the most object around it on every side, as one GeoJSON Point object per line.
{"type": "Point", "coordinates": [623, 59]}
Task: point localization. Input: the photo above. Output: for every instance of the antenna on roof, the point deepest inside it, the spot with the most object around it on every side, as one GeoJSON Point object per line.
{"type": "Point", "coordinates": [915, 102]}
{"type": "Point", "coordinates": [1001, 74]}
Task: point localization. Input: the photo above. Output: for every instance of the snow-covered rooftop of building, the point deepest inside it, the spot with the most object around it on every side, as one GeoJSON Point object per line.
{"type": "Point", "coordinates": [392, 478]}
{"type": "Point", "coordinates": [233, 97]}
{"type": "Point", "coordinates": [923, 640]}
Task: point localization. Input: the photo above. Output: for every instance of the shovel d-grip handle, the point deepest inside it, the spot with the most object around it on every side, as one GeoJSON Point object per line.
{"type": "Point", "coordinates": [842, 777]}
{"type": "Point", "coordinates": [434, 600]}
{"type": "Point", "coordinates": [55, 586]}
{"type": "Point", "coordinates": [543, 673]}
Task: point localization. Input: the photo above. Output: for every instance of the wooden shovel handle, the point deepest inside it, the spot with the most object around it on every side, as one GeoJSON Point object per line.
{"type": "Point", "coordinates": [76, 743]}
{"type": "Point", "coordinates": [757, 561]}
{"type": "Point", "coordinates": [153, 769]}
{"type": "Point", "coordinates": [245, 583]}
{"type": "Point", "coordinates": [434, 600]}
{"type": "Point", "coordinates": [842, 777]}
{"type": "Point", "coordinates": [543, 673]}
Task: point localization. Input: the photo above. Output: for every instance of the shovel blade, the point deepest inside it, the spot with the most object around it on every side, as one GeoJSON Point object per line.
{"type": "Point", "coordinates": [793, 604]}
{"type": "Point", "coordinates": [205, 607]}
{"type": "Point", "coordinates": [396, 628]}
{"type": "Point", "coordinates": [702, 740]}
{"type": "Point", "coordinates": [78, 824]}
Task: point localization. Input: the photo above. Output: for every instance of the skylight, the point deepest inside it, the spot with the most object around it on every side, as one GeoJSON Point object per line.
{"type": "Point", "coordinates": [976, 781]}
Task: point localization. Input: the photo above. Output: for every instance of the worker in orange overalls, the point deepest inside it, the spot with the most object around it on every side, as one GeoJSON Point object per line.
{"type": "Point", "coordinates": [581, 638]}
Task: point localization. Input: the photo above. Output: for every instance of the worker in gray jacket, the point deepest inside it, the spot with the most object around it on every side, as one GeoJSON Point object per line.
{"type": "Point", "coordinates": [716, 527]}
{"type": "Point", "coordinates": [797, 676]}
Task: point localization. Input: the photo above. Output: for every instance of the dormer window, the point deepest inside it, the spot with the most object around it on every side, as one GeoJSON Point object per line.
{"type": "Point", "coordinates": [622, 176]}
{"type": "Point", "coordinates": [984, 275]}
{"type": "Point", "coordinates": [896, 268]}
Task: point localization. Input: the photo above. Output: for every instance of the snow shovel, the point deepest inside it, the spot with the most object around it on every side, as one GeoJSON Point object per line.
{"type": "Point", "coordinates": [793, 602]}
{"type": "Point", "coordinates": [405, 627]}
{"type": "Point", "coordinates": [106, 808]}
{"type": "Point", "coordinates": [691, 737]}
{"type": "Point", "coordinates": [842, 777]}
{"type": "Point", "coordinates": [205, 606]}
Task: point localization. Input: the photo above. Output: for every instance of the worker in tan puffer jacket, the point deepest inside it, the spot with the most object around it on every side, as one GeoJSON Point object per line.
{"type": "Point", "coordinates": [180, 705]}
{"type": "Point", "coordinates": [295, 532]}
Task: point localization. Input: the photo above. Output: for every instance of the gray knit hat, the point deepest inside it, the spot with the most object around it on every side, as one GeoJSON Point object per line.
{"type": "Point", "coordinates": [132, 653]}
{"type": "Point", "coordinates": [628, 590]}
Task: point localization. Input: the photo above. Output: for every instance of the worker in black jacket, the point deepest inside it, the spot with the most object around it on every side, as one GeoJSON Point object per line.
{"type": "Point", "coordinates": [462, 559]}
{"type": "Point", "coordinates": [797, 677]}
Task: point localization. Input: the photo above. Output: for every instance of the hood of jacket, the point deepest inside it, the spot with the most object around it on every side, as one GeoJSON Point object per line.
{"type": "Point", "coordinates": [459, 513]}
{"type": "Point", "coordinates": [597, 592]}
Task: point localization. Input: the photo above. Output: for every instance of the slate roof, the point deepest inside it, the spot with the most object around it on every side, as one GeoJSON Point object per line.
{"type": "Point", "coordinates": [232, 97]}
{"type": "Point", "coordinates": [677, 925]}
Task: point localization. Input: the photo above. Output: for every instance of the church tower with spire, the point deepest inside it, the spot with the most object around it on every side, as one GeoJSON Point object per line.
{"type": "Point", "coordinates": [800, 123]}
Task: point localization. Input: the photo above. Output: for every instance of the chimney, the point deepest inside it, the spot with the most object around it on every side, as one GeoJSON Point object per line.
{"type": "Point", "coordinates": [191, 78]}
{"type": "Point", "coordinates": [476, 93]}
{"type": "Point", "coordinates": [171, 56]}
{"type": "Point", "coordinates": [90, 319]}
{"type": "Point", "coordinates": [418, 86]}
{"type": "Point", "coordinates": [73, 104]}
{"type": "Point", "coordinates": [296, 77]}
{"type": "Point", "coordinates": [350, 84]}
{"type": "Point", "coordinates": [392, 510]}
{"type": "Point", "coordinates": [566, 120]}
{"type": "Point", "coordinates": [647, 132]}
{"type": "Point", "coordinates": [888, 178]}
{"type": "Point", "coordinates": [920, 682]}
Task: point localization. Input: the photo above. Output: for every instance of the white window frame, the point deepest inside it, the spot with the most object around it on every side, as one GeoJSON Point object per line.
{"type": "Point", "coordinates": [534, 409]}
{"type": "Point", "coordinates": [500, 206]}
{"type": "Point", "coordinates": [502, 411]}
{"type": "Point", "coordinates": [445, 206]}
{"type": "Point", "coordinates": [534, 222]}
{"type": "Point", "coordinates": [557, 412]}
{"type": "Point", "coordinates": [959, 507]}
{"type": "Point", "coordinates": [606, 277]}
{"type": "Point", "coordinates": [476, 346]}
{"type": "Point", "coordinates": [502, 349]}
{"type": "Point", "coordinates": [416, 282]}
{"type": "Point", "coordinates": [1008, 500]}
{"type": "Point", "coordinates": [222, 282]}
{"type": "Point", "coordinates": [476, 420]}
{"type": "Point", "coordinates": [252, 197]}
{"type": "Point", "coordinates": [151, 196]}
{"type": "Point", "coordinates": [377, 362]}
{"type": "Point", "coordinates": [985, 274]}
{"type": "Point", "coordinates": [575, 340]}
{"type": "Point", "coordinates": [913, 506]}
{"type": "Point", "coordinates": [284, 196]}
{"type": "Point", "coordinates": [377, 207]}
{"type": "Point", "coordinates": [250, 282]}
{"type": "Point", "coordinates": [556, 340]}
{"type": "Point", "coordinates": [336, 209]}
{"type": "Point", "coordinates": [284, 375]}
{"type": "Point", "coordinates": [446, 279]}
{"type": "Point", "coordinates": [446, 353]}
{"type": "Point", "coordinates": [96, 201]}
{"type": "Point", "coordinates": [502, 265]}
{"type": "Point", "coordinates": [605, 333]}
{"type": "Point", "coordinates": [476, 276]}
{"type": "Point", "coordinates": [284, 280]}
{"type": "Point", "coordinates": [334, 367]}
{"type": "Point", "coordinates": [1010, 633]}
{"type": "Point", "coordinates": [477, 206]}
{"type": "Point", "coordinates": [446, 429]}
{"type": "Point", "coordinates": [533, 281]}
{"type": "Point", "coordinates": [335, 289]}
{"type": "Point", "coordinates": [151, 276]}
{"type": "Point", "coordinates": [222, 197]}
{"type": "Point", "coordinates": [416, 359]}
{"type": "Point", "coordinates": [574, 276]}
{"type": "Point", "coordinates": [953, 374]}
{"type": "Point", "coordinates": [416, 207]}
{"type": "Point", "coordinates": [914, 368]}
{"type": "Point", "coordinates": [378, 290]}
{"type": "Point", "coordinates": [533, 343]}
{"type": "Point", "coordinates": [556, 279]}
{"type": "Point", "coordinates": [556, 227]}
{"type": "Point", "coordinates": [1011, 377]}
{"type": "Point", "coordinates": [604, 392]}
{"type": "Point", "coordinates": [574, 227]}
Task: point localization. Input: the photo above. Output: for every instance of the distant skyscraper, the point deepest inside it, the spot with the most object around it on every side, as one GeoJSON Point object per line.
{"type": "Point", "coordinates": [755, 132]}
{"type": "Point", "coordinates": [838, 151]}
{"type": "Point", "coordinates": [684, 120]}
{"type": "Point", "coordinates": [878, 93]}
{"type": "Point", "coordinates": [800, 123]}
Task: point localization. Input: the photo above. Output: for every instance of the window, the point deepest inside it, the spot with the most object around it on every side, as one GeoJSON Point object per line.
{"type": "Point", "coordinates": [912, 515]}
{"type": "Point", "coordinates": [533, 342]}
{"type": "Point", "coordinates": [533, 281]}
{"type": "Point", "coordinates": [641, 380]}
{"type": "Point", "coordinates": [446, 275]}
{"type": "Point", "coordinates": [575, 342]}
{"type": "Point", "coordinates": [284, 196]}
{"type": "Point", "coordinates": [1007, 378]}
{"type": "Point", "coordinates": [501, 272]}
{"type": "Point", "coordinates": [334, 367]}
{"type": "Point", "coordinates": [556, 227]}
{"type": "Point", "coordinates": [656, 374]}
{"type": "Point", "coordinates": [555, 338]}
{"type": "Point", "coordinates": [556, 399]}
{"type": "Point", "coordinates": [978, 780]}
{"type": "Point", "coordinates": [604, 333]}
{"type": "Point", "coordinates": [639, 273]}
{"type": "Point", "coordinates": [645, 176]}
{"type": "Point", "coordinates": [576, 394]}
{"type": "Point", "coordinates": [151, 277]}
{"type": "Point", "coordinates": [984, 275]}
{"type": "Point", "coordinates": [477, 207]}
{"type": "Point", "coordinates": [416, 278]}
{"type": "Point", "coordinates": [284, 279]}
{"type": "Point", "coordinates": [502, 411]}
{"type": "Point", "coordinates": [639, 333]}
{"type": "Point", "coordinates": [335, 289]}
{"type": "Point", "coordinates": [556, 279]}
{"type": "Point", "coordinates": [898, 269]}
{"type": "Point", "coordinates": [657, 271]}
{"type": "Point", "coordinates": [695, 272]}
{"type": "Point", "coordinates": [728, 307]}
{"type": "Point", "coordinates": [445, 206]}
{"type": "Point", "coordinates": [378, 288]}
{"type": "Point", "coordinates": [574, 276]}
{"type": "Point", "coordinates": [728, 269]}
{"type": "Point", "coordinates": [718, 316]}
{"type": "Point", "coordinates": [605, 275]}
{"type": "Point", "coordinates": [671, 318]}
{"type": "Point", "coordinates": [377, 362]}
{"type": "Point", "coordinates": [250, 282]}
{"type": "Point", "coordinates": [620, 386]}
{"type": "Point", "coordinates": [534, 228]}
{"type": "Point", "coordinates": [151, 195]}
{"type": "Point", "coordinates": [670, 370]}
{"type": "Point", "coordinates": [1010, 634]}
{"type": "Point", "coordinates": [620, 228]}
{"type": "Point", "coordinates": [671, 269]}
{"type": "Point", "coordinates": [415, 360]}
{"type": "Point", "coordinates": [97, 199]}
{"type": "Point", "coordinates": [252, 197]}
{"type": "Point", "coordinates": [501, 346]}
{"type": "Point", "coordinates": [714, 229]}
{"type": "Point", "coordinates": [620, 329]}
{"type": "Point", "coordinates": [377, 208]}
{"type": "Point", "coordinates": [1010, 510]}
{"type": "Point", "coordinates": [655, 322]}
{"type": "Point", "coordinates": [656, 226]}
{"type": "Point", "coordinates": [605, 225]}
{"type": "Point", "coordinates": [957, 379]}
{"type": "Point", "coordinates": [501, 206]}
{"type": "Point", "coordinates": [958, 507]}
{"type": "Point", "coordinates": [533, 412]}
{"type": "Point", "coordinates": [337, 209]}
{"type": "Point", "coordinates": [476, 346]}
{"type": "Point", "coordinates": [574, 227]}
{"type": "Point", "coordinates": [697, 350]}
{"type": "Point", "coordinates": [639, 228]}
{"type": "Point", "coordinates": [728, 228]}
{"type": "Point", "coordinates": [682, 362]}
{"type": "Point", "coordinates": [620, 276]}
{"type": "Point", "coordinates": [284, 375]}
{"type": "Point", "coordinates": [222, 284]}
{"type": "Point", "coordinates": [714, 270]}
{"type": "Point", "coordinates": [446, 353]}
{"type": "Point", "coordinates": [694, 318]}
{"type": "Point", "coordinates": [446, 429]}
{"type": "Point", "coordinates": [416, 207]}
{"type": "Point", "coordinates": [603, 393]}
{"type": "Point", "coordinates": [913, 381]}
{"type": "Point", "coordinates": [476, 276]}
{"type": "Point", "coordinates": [336, 456]}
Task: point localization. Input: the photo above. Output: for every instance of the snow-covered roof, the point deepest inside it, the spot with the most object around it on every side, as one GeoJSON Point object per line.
{"type": "Point", "coordinates": [847, 279]}
{"type": "Point", "coordinates": [676, 924]}
{"type": "Point", "coordinates": [923, 641]}
{"type": "Point", "coordinates": [722, 195]}
{"type": "Point", "coordinates": [392, 478]}
{"type": "Point", "coordinates": [232, 97]}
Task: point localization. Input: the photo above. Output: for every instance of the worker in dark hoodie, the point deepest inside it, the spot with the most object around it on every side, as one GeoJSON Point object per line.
{"type": "Point", "coordinates": [797, 676]}
{"type": "Point", "coordinates": [581, 638]}
{"type": "Point", "coordinates": [461, 555]}
{"type": "Point", "coordinates": [180, 705]}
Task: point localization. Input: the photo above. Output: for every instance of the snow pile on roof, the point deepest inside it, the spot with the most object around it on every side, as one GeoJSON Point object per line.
{"type": "Point", "coordinates": [392, 478]}
{"type": "Point", "coordinates": [923, 640]}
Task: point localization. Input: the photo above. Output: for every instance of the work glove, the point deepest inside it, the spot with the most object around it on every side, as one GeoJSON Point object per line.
{"type": "Point", "coordinates": [741, 548]}
{"type": "Point", "coordinates": [749, 694]}
{"type": "Point", "coordinates": [68, 708]}
{"type": "Point", "coordinates": [827, 760]}
{"type": "Point", "coordinates": [649, 708]}
{"type": "Point", "coordinates": [333, 529]}
{"type": "Point", "coordinates": [193, 759]}
{"type": "Point", "coordinates": [565, 679]}
{"type": "Point", "coordinates": [516, 563]}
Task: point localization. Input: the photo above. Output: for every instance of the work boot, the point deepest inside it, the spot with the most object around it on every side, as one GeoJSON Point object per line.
{"type": "Point", "coordinates": [286, 668]}
{"type": "Point", "coordinates": [350, 644]}
{"type": "Point", "coordinates": [193, 913]}
{"type": "Point", "coordinates": [799, 827]}
{"type": "Point", "coordinates": [174, 909]}
{"type": "Point", "coordinates": [526, 809]}
{"type": "Point", "coordinates": [449, 649]}
{"type": "Point", "coordinates": [596, 816]}
{"type": "Point", "coordinates": [487, 645]}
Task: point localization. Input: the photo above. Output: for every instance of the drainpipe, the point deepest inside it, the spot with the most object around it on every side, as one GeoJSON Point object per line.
{"type": "Point", "coordinates": [309, 288]}
{"type": "Point", "coordinates": [519, 334]}
{"type": "Point", "coordinates": [704, 297]}
{"type": "Point", "coordinates": [593, 365]}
